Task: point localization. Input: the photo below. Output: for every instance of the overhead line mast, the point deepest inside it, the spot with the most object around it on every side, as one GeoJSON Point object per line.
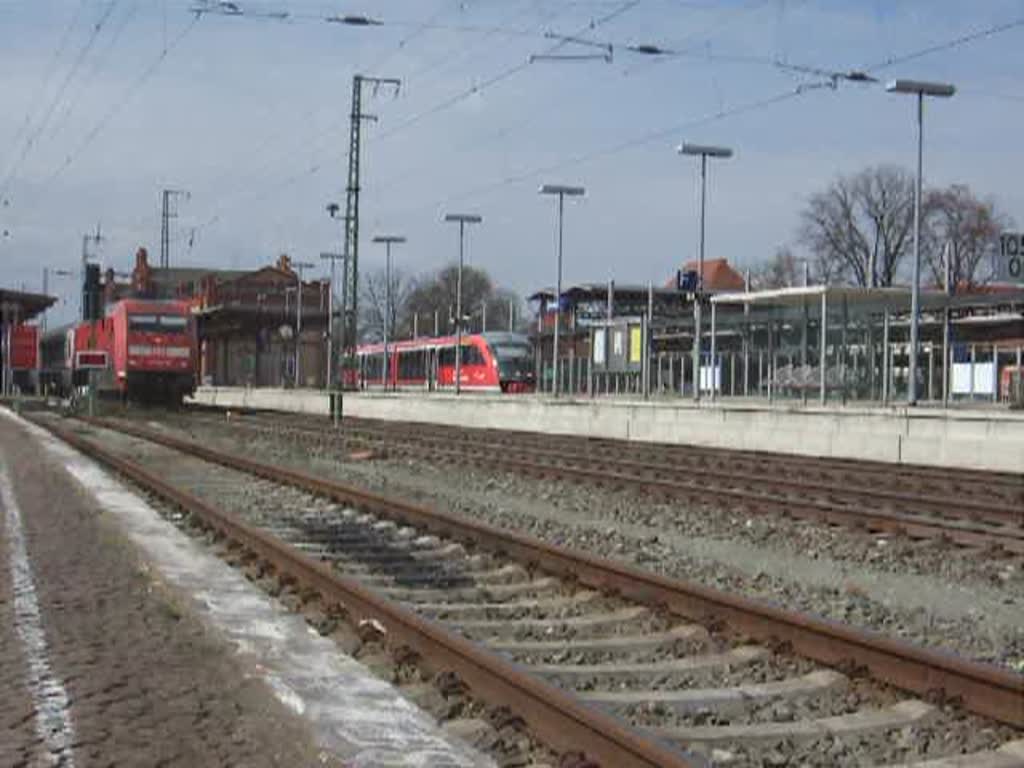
{"type": "Point", "coordinates": [350, 281]}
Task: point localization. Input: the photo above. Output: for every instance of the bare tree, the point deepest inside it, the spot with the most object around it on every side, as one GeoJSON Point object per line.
{"type": "Point", "coordinates": [373, 303]}
{"type": "Point", "coordinates": [783, 270]}
{"type": "Point", "coordinates": [954, 218]}
{"type": "Point", "coordinates": [860, 228]}
{"type": "Point", "coordinates": [437, 292]}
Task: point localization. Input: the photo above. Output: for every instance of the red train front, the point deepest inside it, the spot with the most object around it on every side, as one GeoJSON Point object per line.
{"type": "Point", "coordinates": [490, 362]}
{"type": "Point", "coordinates": [154, 350]}
{"type": "Point", "coordinates": [142, 351]}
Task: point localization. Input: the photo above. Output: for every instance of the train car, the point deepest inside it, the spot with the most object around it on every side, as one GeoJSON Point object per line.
{"type": "Point", "coordinates": [24, 340]}
{"type": "Point", "coordinates": [491, 362]}
{"type": "Point", "coordinates": [141, 351]}
{"type": "Point", "coordinates": [153, 350]}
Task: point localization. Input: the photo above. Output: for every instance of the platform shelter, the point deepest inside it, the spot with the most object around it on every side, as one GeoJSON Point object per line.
{"type": "Point", "coordinates": [16, 308]}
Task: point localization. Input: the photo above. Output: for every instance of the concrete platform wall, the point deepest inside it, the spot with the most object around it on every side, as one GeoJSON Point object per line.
{"type": "Point", "coordinates": [979, 439]}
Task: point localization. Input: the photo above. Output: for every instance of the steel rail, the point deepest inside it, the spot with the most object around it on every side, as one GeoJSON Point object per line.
{"type": "Point", "coordinates": [867, 474]}
{"type": "Point", "coordinates": [984, 689]}
{"type": "Point", "coordinates": [776, 482]}
{"type": "Point", "coordinates": [558, 718]}
{"type": "Point", "coordinates": [751, 498]}
{"type": "Point", "coordinates": [1007, 482]}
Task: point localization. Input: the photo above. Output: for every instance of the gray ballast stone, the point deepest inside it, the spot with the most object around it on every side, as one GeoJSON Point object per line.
{"type": "Point", "coordinates": [743, 654]}
{"type": "Point", "coordinates": [620, 643]}
{"type": "Point", "coordinates": [910, 712]}
{"type": "Point", "coordinates": [723, 699]}
{"type": "Point", "coordinates": [467, 611]}
{"type": "Point", "coordinates": [581, 625]}
{"type": "Point", "coordinates": [1009, 755]}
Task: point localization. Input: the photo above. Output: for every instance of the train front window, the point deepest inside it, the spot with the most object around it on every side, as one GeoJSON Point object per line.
{"type": "Point", "coordinates": [157, 323]}
{"type": "Point", "coordinates": [512, 351]}
{"type": "Point", "coordinates": [471, 356]}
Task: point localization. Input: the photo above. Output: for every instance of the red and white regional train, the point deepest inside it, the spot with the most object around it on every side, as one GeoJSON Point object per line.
{"type": "Point", "coordinates": [491, 362]}
{"type": "Point", "coordinates": [142, 350]}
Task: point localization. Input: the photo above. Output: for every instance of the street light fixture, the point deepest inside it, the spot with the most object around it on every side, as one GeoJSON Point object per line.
{"type": "Point", "coordinates": [462, 219]}
{"type": "Point", "coordinates": [562, 191]}
{"type": "Point", "coordinates": [299, 267]}
{"type": "Point", "coordinates": [388, 241]}
{"type": "Point", "coordinates": [46, 288]}
{"type": "Point", "coordinates": [920, 89]}
{"type": "Point", "coordinates": [704, 151]}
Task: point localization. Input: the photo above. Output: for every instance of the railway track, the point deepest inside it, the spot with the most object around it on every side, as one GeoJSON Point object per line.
{"type": "Point", "coordinates": [982, 522]}
{"type": "Point", "coordinates": [619, 663]}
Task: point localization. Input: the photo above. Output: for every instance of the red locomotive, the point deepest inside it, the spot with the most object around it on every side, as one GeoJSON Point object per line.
{"type": "Point", "coordinates": [491, 362]}
{"type": "Point", "coordinates": [142, 350]}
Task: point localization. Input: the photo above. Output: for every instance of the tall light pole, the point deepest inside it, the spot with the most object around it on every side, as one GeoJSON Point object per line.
{"type": "Point", "coordinates": [463, 219]}
{"type": "Point", "coordinates": [46, 289]}
{"type": "Point", "coordinates": [561, 190]}
{"type": "Point", "coordinates": [388, 241]}
{"type": "Point", "coordinates": [703, 151]}
{"type": "Point", "coordinates": [332, 326]}
{"type": "Point", "coordinates": [920, 89]}
{"type": "Point", "coordinates": [299, 267]}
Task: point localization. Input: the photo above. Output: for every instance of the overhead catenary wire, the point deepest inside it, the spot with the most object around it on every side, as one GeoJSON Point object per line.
{"type": "Point", "coordinates": [51, 68]}
{"type": "Point", "coordinates": [31, 140]}
{"type": "Point", "coordinates": [125, 99]}
{"type": "Point", "coordinates": [98, 62]}
{"type": "Point", "coordinates": [499, 77]}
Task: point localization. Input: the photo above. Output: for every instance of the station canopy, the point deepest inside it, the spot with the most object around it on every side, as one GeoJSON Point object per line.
{"type": "Point", "coordinates": [19, 306]}
{"type": "Point", "coordinates": [867, 301]}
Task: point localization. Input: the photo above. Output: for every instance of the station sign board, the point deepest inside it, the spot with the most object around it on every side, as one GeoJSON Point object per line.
{"type": "Point", "coordinates": [1009, 261]}
{"type": "Point", "coordinates": [93, 359]}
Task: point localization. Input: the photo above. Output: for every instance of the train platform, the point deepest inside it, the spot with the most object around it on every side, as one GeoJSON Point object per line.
{"type": "Point", "coordinates": [976, 437]}
{"type": "Point", "coordinates": [123, 641]}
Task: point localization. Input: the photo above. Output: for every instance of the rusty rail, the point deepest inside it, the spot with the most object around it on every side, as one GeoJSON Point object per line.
{"type": "Point", "coordinates": [738, 489]}
{"type": "Point", "coordinates": [983, 689]}
{"type": "Point", "coordinates": [558, 718]}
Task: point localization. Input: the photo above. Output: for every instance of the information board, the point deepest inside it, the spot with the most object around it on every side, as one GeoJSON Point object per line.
{"type": "Point", "coordinates": [1009, 263]}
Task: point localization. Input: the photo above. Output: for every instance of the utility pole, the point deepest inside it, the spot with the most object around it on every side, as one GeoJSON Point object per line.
{"type": "Point", "coordinates": [350, 287]}
{"type": "Point", "coordinates": [299, 267]}
{"type": "Point", "coordinates": [388, 241]}
{"type": "Point", "coordinates": [332, 334]}
{"type": "Point", "coordinates": [462, 219]}
{"type": "Point", "coordinates": [95, 239]}
{"type": "Point", "coordinates": [168, 212]}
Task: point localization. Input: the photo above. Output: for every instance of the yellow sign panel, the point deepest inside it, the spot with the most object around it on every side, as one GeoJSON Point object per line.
{"type": "Point", "coordinates": [635, 344]}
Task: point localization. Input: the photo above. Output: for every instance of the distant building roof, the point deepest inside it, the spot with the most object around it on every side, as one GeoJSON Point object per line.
{"type": "Point", "coordinates": [718, 275]}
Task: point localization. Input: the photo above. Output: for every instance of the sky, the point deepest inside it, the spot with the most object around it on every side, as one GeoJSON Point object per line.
{"type": "Point", "coordinates": [107, 102]}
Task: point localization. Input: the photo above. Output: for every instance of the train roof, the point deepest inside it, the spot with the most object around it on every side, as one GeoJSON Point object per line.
{"type": "Point", "coordinates": [431, 342]}
{"type": "Point", "coordinates": [149, 305]}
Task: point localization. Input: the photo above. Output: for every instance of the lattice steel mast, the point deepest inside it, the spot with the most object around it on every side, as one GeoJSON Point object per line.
{"type": "Point", "coordinates": [350, 282]}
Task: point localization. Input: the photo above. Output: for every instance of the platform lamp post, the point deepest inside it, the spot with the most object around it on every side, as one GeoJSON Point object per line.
{"type": "Point", "coordinates": [46, 288]}
{"type": "Point", "coordinates": [703, 151]}
{"type": "Point", "coordinates": [388, 241]}
{"type": "Point", "coordinates": [299, 267]}
{"type": "Point", "coordinates": [561, 190]}
{"type": "Point", "coordinates": [920, 89]}
{"type": "Point", "coordinates": [462, 219]}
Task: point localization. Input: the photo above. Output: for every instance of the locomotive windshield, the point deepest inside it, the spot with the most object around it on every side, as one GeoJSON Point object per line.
{"type": "Point", "coordinates": [512, 351]}
{"type": "Point", "coordinates": [157, 323]}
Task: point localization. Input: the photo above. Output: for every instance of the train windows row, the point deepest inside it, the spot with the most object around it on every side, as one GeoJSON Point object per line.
{"type": "Point", "coordinates": [413, 364]}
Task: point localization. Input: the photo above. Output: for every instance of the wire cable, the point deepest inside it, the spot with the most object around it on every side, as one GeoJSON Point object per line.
{"type": "Point", "coordinates": [126, 97]}
{"type": "Point", "coordinates": [41, 125]}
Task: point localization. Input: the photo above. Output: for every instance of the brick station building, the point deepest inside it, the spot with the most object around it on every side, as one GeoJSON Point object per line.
{"type": "Point", "coordinates": [246, 320]}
